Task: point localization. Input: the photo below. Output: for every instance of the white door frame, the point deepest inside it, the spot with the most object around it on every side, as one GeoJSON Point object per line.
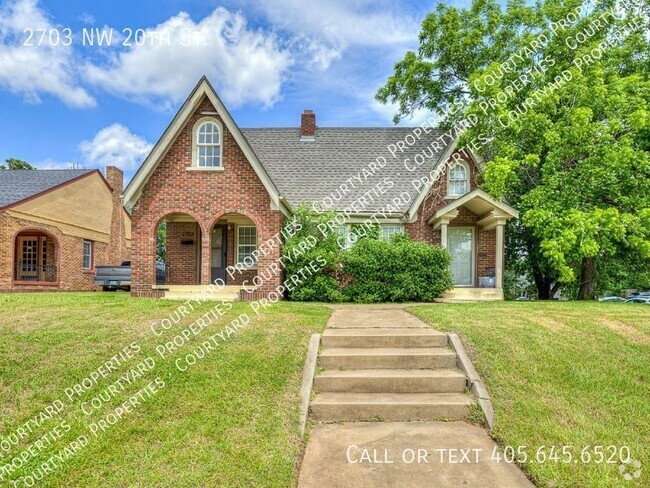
{"type": "Point", "coordinates": [473, 253]}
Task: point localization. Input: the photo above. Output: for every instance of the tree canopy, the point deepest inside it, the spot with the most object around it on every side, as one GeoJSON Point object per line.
{"type": "Point", "coordinates": [13, 163]}
{"type": "Point", "coordinates": [555, 98]}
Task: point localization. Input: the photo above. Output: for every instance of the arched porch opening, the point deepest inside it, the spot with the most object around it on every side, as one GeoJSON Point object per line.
{"type": "Point", "coordinates": [178, 250]}
{"type": "Point", "coordinates": [35, 258]}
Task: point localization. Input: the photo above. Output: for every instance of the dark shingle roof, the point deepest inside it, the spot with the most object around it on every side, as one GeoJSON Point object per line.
{"type": "Point", "coordinates": [308, 171]}
{"type": "Point", "coordinates": [17, 185]}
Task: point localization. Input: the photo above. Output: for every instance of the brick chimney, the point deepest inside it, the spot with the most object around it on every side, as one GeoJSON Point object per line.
{"type": "Point", "coordinates": [115, 178]}
{"type": "Point", "coordinates": [117, 244]}
{"type": "Point", "coordinates": [307, 125]}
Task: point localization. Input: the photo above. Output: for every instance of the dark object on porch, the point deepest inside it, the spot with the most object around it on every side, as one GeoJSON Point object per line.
{"type": "Point", "coordinates": [162, 273]}
{"type": "Point", "coordinates": [187, 242]}
{"type": "Point", "coordinates": [487, 281]}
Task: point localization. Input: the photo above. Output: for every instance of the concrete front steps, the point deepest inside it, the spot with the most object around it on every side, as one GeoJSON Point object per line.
{"type": "Point", "coordinates": [468, 294]}
{"type": "Point", "coordinates": [390, 374]}
{"type": "Point", "coordinates": [188, 292]}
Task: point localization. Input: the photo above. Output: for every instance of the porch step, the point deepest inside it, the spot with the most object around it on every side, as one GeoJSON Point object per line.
{"type": "Point", "coordinates": [390, 406]}
{"type": "Point", "coordinates": [460, 295]}
{"type": "Point", "coordinates": [188, 292]}
{"type": "Point", "coordinates": [383, 338]}
{"type": "Point", "coordinates": [391, 381]}
{"type": "Point", "coordinates": [387, 358]}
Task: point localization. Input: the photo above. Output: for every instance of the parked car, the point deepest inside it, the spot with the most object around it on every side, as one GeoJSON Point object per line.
{"type": "Point", "coordinates": [639, 294]}
{"type": "Point", "coordinates": [612, 299]}
{"type": "Point", "coordinates": [639, 299]}
{"type": "Point", "coordinates": [113, 278]}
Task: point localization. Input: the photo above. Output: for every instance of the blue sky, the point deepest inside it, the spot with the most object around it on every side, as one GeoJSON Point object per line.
{"type": "Point", "coordinates": [268, 59]}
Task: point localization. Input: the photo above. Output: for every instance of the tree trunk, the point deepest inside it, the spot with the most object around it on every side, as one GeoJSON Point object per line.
{"type": "Point", "coordinates": [542, 283]}
{"type": "Point", "coordinates": [587, 289]}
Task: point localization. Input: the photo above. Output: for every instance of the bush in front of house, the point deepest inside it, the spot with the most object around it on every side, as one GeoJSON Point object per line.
{"type": "Point", "coordinates": [310, 255]}
{"type": "Point", "coordinates": [318, 268]}
{"type": "Point", "coordinates": [398, 270]}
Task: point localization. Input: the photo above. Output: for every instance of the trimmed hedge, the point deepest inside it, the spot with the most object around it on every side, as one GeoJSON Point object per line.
{"type": "Point", "coordinates": [397, 271]}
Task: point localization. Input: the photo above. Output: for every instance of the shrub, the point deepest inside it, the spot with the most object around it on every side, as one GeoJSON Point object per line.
{"type": "Point", "coordinates": [318, 269]}
{"type": "Point", "coordinates": [396, 271]}
{"type": "Point", "coordinates": [310, 256]}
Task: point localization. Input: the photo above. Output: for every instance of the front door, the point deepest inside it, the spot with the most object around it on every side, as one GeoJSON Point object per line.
{"type": "Point", "coordinates": [460, 245]}
{"type": "Point", "coordinates": [218, 255]}
{"type": "Point", "coordinates": [27, 268]}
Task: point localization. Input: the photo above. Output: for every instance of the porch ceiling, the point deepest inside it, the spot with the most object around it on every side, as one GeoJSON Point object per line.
{"type": "Point", "coordinates": [490, 211]}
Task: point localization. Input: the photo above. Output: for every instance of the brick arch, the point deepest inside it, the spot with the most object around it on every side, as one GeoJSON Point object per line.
{"type": "Point", "coordinates": [245, 213]}
{"type": "Point", "coordinates": [159, 219]}
{"type": "Point", "coordinates": [39, 230]}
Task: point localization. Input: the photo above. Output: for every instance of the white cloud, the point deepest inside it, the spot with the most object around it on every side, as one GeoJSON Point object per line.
{"type": "Point", "coordinates": [31, 71]}
{"type": "Point", "coordinates": [326, 28]}
{"type": "Point", "coordinates": [115, 145]}
{"type": "Point", "coordinates": [246, 65]}
{"type": "Point", "coordinates": [87, 18]}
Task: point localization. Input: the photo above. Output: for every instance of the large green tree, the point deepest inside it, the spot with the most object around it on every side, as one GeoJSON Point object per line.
{"type": "Point", "coordinates": [555, 98]}
{"type": "Point", "coordinates": [13, 163]}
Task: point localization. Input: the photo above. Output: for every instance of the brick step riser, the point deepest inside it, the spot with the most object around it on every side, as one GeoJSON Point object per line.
{"type": "Point", "coordinates": [390, 385]}
{"type": "Point", "coordinates": [388, 412]}
{"type": "Point", "coordinates": [387, 362]}
{"type": "Point", "coordinates": [385, 341]}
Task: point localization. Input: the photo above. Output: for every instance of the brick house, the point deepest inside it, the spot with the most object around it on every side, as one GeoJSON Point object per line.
{"type": "Point", "coordinates": [57, 225]}
{"type": "Point", "coordinates": [225, 191]}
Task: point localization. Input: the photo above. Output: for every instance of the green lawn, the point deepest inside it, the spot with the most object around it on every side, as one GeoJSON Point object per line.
{"type": "Point", "coordinates": [229, 420]}
{"type": "Point", "coordinates": [562, 373]}
{"type": "Point", "coordinates": [559, 373]}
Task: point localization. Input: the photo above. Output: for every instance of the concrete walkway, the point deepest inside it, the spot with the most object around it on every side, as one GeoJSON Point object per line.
{"type": "Point", "coordinates": [394, 454]}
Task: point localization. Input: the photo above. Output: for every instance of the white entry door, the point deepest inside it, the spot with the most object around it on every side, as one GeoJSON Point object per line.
{"type": "Point", "coordinates": [461, 247]}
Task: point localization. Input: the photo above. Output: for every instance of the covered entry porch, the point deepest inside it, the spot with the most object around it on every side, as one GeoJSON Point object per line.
{"type": "Point", "coordinates": [191, 255]}
{"type": "Point", "coordinates": [472, 229]}
{"type": "Point", "coordinates": [35, 259]}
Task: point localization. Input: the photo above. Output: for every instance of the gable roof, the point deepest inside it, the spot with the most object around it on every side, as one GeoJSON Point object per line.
{"type": "Point", "coordinates": [309, 171]}
{"type": "Point", "coordinates": [22, 184]}
{"type": "Point", "coordinates": [479, 202]}
{"type": "Point", "coordinates": [203, 88]}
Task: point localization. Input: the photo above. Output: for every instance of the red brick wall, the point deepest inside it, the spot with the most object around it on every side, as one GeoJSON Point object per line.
{"type": "Point", "coordinates": [204, 195]}
{"type": "Point", "coordinates": [182, 259]}
{"type": "Point", "coordinates": [485, 240]}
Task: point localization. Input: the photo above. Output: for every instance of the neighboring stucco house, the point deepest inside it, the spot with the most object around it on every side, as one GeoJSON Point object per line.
{"type": "Point", "coordinates": [57, 225]}
{"type": "Point", "coordinates": [224, 193]}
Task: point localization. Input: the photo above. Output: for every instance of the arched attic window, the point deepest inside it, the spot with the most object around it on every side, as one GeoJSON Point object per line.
{"type": "Point", "coordinates": [458, 179]}
{"type": "Point", "coordinates": [206, 144]}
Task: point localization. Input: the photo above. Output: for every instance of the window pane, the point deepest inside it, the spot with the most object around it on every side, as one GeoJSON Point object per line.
{"type": "Point", "coordinates": [458, 179]}
{"type": "Point", "coordinates": [246, 245]}
{"type": "Point", "coordinates": [208, 151]}
{"type": "Point", "coordinates": [387, 231]}
{"type": "Point", "coordinates": [87, 254]}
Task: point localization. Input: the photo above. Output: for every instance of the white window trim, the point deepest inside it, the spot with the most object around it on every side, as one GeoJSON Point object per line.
{"type": "Point", "coordinates": [254, 266]}
{"type": "Point", "coordinates": [195, 160]}
{"type": "Point", "coordinates": [83, 254]}
{"type": "Point", "coordinates": [467, 173]}
{"type": "Point", "coordinates": [381, 232]}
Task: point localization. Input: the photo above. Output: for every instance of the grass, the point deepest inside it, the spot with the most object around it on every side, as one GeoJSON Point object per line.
{"type": "Point", "coordinates": [231, 419]}
{"type": "Point", "coordinates": [561, 373]}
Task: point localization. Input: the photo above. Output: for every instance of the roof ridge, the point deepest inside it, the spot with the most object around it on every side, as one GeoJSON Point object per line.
{"type": "Point", "coordinates": [342, 127]}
